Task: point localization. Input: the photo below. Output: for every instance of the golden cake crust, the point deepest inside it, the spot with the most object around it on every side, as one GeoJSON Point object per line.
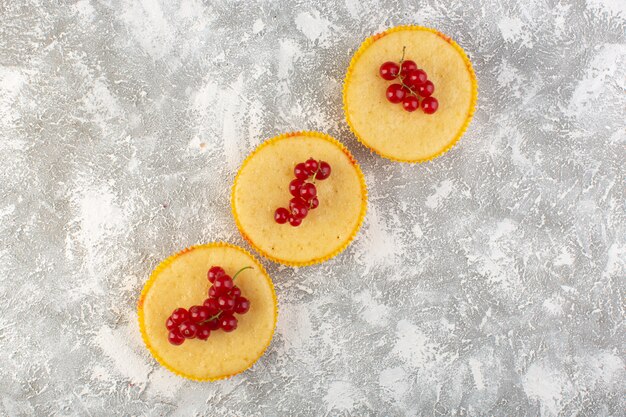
{"type": "Point", "coordinates": [261, 186]}
{"type": "Point", "coordinates": [180, 281]}
{"type": "Point", "coordinates": [385, 127]}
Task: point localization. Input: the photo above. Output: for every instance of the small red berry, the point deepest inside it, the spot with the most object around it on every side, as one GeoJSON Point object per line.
{"type": "Point", "coordinates": [395, 93]}
{"type": "Point", "coordinates": [415, 78]}
{"type": "Point", "coordinates": [203, 332]}
{"type": "Point", "coordinates": [212, 306]}
{"type": "Point", "coordinates": [299, 210]}
{"type": "Point", "coordinates": [175, 338]}
{"type": "Point", "coordinates": [426, 89]}
{"type": "Point", "coordinates": [294, 187]}
{"type": "Point", "coordinates": [430, 105]}
{"type": "Point", "coordinates": [408, 66]}
{"type": "Point", "coordinates": [314, 203]}
{"type": "Point", "coordinates": [281, 215]}
{"type": "Point", "coordinates": [389, 70]}
{"type": "Point", "coordinates": [301, 172]}
{"type": "Point", "coordinates": [308, 191]}
{"type": "Point", "coordinates": [295, 222]}
{"type": "Point", "coordinates": [169, 323]}
{"type": "Point", "coordinates": [212, 292]}
{"type": "Point", "coordinates": [213, 324]}
{"type": "Point", "coordinates": [295, 201]}
{"type": "Point", "coordinates": [215, 272]}
{"type": "Point", "coordinates": [235, 292]}
{"type": "Point", "coordinates": [323, 172]}
{"type": "Point", "coordinates": [188, 330]}
{"type": "Point", "coordinates": [228, 322]}
{"type": "Point", "coordinates": [311, 166]}
{"type": "Point", "coordinates": [223, 284]}
{"type": "Point", "coordinates": [198, 314]}
{"type": "Point", "coordinates": [410, 103]}
{"type": "Point", "coordinates": [226, 303]}
{"type": "Point", "coordinates": [180, 315]}
{"type": "Point", "coordinates": [242, 305]}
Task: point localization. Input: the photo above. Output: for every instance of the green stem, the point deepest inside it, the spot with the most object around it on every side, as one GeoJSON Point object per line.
{"type": "Point", "coordinates": [319, 165]}
{"type": "Point", "coordinates": [242, 269]}
{"type": "Point", "coordinates": [400, 72]}
{"type": "Point", "coordinates": [217, 316]}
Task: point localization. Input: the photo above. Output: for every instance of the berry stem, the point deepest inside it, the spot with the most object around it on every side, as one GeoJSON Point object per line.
{"type": "Point", "coordinates": [217, 316]}
{"type": "Point", "coordinates": [241, 270]}
{"type": "Point", "coordinates": [401, 61]}
{"type": "Point", "coordinates": [313, 176]}
{"type": "Point", "coordinates": [400, 74]}
{"type": "Point", "coordinates": [408, 88]}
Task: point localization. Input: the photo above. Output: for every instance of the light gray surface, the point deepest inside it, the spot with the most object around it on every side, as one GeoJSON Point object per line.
{"type": "Point", "coordinates": [487, 282]}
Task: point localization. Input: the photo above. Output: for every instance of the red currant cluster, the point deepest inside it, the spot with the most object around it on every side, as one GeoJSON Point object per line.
{"type": "Point", "coordinates": [304, 193]}
{"type": "Point", "coordinates": [414, 83]}
{"type": "Point", "coordinates": [216, 313]}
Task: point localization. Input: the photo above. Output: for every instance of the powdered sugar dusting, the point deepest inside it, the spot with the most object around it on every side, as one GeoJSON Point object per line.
{"type": "Point", "coordinates": [488, 281]}
{"type": "Point", "coordinates": [315, 27]}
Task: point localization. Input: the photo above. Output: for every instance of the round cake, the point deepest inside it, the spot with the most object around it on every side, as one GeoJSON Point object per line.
{"type": "Point", "coordinates": [415, 130]}
{"type": "Point", "coordinates": [180, 282]}
{"type": "Point", "coordinates": [262, 189]}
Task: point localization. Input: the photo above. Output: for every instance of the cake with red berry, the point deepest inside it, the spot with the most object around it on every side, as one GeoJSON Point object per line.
{"type": "Point", "coordinates": [409, 93]}
{"type": "Point", "coordinates": [208, 312]}
{"type": "Point", "coordinates": [299, 198]}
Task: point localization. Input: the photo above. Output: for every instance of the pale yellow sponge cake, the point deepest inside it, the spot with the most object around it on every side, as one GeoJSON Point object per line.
{"type": "Point", "coordinates": [387, 128]}
{"type": "Point", "coordinates": [181, 281]}
{"type": "Point", "coordinates": [262, 185]}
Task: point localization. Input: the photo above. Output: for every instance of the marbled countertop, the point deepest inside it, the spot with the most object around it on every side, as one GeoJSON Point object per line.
{"type": "Point", "coordinates": [490, 281]}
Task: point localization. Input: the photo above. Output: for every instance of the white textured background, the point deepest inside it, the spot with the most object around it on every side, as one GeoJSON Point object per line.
{"type": "Point", "coordinates": [490, 281]}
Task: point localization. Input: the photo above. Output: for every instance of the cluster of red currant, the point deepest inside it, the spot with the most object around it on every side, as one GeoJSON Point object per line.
{"type": "Point", "coordinates": [304, 193]}
{"type": "Point", "coordinates": [216, 313]}
{"type": "Point", "coordinates": [414, 83]}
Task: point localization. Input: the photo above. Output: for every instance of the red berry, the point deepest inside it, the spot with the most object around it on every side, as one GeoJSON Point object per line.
{"type": "Point", "coordinates": [228, 322]}
{"type": "Point", "coordinates": [301, 172]}
{"type": "Point", "coordinates": [226, 303]}
{"type": "Point", "coordinates": [180, 315]}
{"type": "Point", "coordinates": [175, 338]}
{"type": "Point", "coordinates": [299, 210]}
{"type": "Point", "coordinates": [203, 332]}
{"type": "Point", "coordinates": [311, 166]}
{"type": "Point", "coordinates": [223, 284]}
{"type": "Point", "coordinates": [395, 93]}
{"type": "Point", "coordinates": [212, 292]}
{"type": "Point", "coordinates": [188, 330]}
{"type": "Point", "coordinates": [242, 305]}
{"type": "Point", "coordinates": [281, 215]}
{"type": "Point", "coordinates": [314, 203]}
{"type": "Point", "coordinates": [212, 306]}
{"type": "Point", "coordinates": [213, 324]}
{"type": "Point", "coordinates": [198, 314]}
{"type": "Point", "coordinates": [294, 221]}
{"type": "Point", "coordinates": [169, 323]}
{"type": "Point", "coordinates": [308, 191]}
{"type": "Point", "coordinates": [324, 171]}
{"type": "Point", "coordinates": [430, 105]}
{"type": "Point", "coordinates": [408, 66]}
{"type": "Point", "coordinates": [410, 103]}
{"type": "Point", "coordinates": [235, 292]}
{"type": "Point", "coordinates": [295, 201]}
{"type": "Point", "coordinates": [415, 78]}
{"type": "Point", "coordinates": [294, 187]}
{"type": "Point", "coordinates": [426, 89]}
{"type": "Point", "coordinates": [389, 70]}
{"type": "Point", "coordinates": [215, 272]}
